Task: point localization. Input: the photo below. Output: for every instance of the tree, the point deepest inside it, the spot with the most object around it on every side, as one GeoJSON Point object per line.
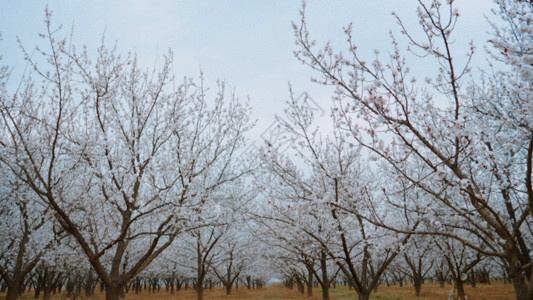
{"type": "Point", "coordinates": [328, 203]}
{"type": "Point", "coordinates": [419, 258]}
{"type": "Point", "coordinates": [27, 233]}
{"type": "Point", "coordinates": [460, 260]}
{"type": "Point", "coordinates": [122, 157]}
{"type": "Point", "coordinates": [47, 278]}
{"type": "Point", "coordinates": [474, 141]}
{"type": "Point", "coordinates": [197, 251]}
{"type": "Point", "coordinates": [234, 255]}
{"type": "Point", "coordinates": [296, 253]}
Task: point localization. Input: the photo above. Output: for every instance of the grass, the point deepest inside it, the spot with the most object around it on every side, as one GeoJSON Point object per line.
{"type": "Point", "coordinates": [496, 291]}
{"type": "Point", "coordinates": [384, 297]}
{"type": "Point", "coordinates": [272, 296]}
{"type": "Point", "coordinates": [341, 292]}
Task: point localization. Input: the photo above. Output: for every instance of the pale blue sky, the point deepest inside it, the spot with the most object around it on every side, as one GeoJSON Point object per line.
{"type": "Point", "coordinates": [249, 44]}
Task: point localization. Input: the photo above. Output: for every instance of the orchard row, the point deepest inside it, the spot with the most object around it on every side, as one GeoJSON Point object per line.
{"type": "Point", "coordinates": [114, 173]}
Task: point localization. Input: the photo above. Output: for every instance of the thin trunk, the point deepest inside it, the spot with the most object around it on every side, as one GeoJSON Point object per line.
{"type": "Point", "coordinates": [172, 279]}
{"type": "Point", "coordinates": [199, 292]}
{"type": "Point", "coordinates": [46, 294]}
{"type": "Point", "coordinates": [300, 285]}
{"type": "Point", "coordinates": [309, 282]}
{"type": "Point", "coordinates": [460, 288]}
{"type": "Point", "coordinates": [325, 278]}
{"type": "Point", "coordinates": [418, 287]}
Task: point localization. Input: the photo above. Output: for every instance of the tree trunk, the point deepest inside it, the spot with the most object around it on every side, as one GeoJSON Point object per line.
{"type": "Point", "coordinates": [12, 293]}
{"type": "Point", "coordinates": [89, 286]}
{"type": "Point", "coordinates": [172, 279]}
{"type": "Point", "coordinates": [46, 294]}
{"type": "Point", "coordinates": [309, 282]}
{"type": "Point", "coordinates": [325, 294]}
{"type": "Point", "coordinates": [137, 286]}
{"type": "Point", "coordinates": [519, 285]}
{"type": "Point", "coordinates": [112, 292]}
{"type": "Point", "coordinates": [300, 285]}
{"type": "Point", "coordinates": [228, 289]}
{"type": "Point", "coordinates": [199, 292]}
{"type": "Point", "coordinates": [418, 287]}
{"type": "Point", "coordinates": [325, 277]}
{"type": "Point", "coordinates": [460, 289]}
{"type": "Point", "coordinates": [363, 296]}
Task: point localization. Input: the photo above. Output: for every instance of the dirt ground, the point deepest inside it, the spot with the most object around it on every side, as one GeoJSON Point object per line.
{"type": "Point", "coordinates": [496, 291]}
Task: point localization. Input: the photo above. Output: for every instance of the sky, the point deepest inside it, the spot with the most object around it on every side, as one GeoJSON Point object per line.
{"type": "Point", "coordinates": [248, 44]}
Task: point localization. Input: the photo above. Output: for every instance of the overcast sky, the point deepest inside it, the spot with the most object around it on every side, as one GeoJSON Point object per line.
{"type": "Point", "coordinates": [248, 44]}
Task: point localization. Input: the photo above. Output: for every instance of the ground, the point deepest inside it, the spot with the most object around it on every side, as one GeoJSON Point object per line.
{"type": "Point", "coordinates": [496, 291]}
